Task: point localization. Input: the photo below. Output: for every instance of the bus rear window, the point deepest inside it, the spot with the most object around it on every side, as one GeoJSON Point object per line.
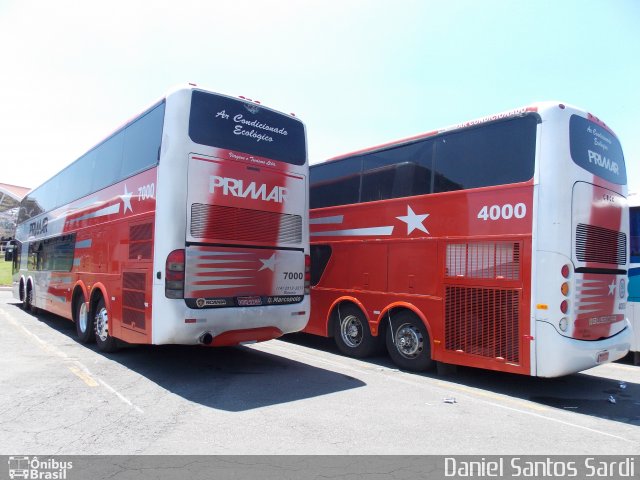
{"type": "Point", "coordinates": [596, 150]}
{"type": "Point", "coordinates": [245, 127]}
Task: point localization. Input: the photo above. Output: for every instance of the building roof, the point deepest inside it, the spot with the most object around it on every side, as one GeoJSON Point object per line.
{"type": "Point", "coordinates": [11, 195]}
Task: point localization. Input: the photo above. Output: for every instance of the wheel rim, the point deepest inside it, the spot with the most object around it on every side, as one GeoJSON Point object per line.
{"type": "Point", "coordinates": [83, 317]}
{"type": "Point", "coordinates": [102, 324]}
{"type": "Point", "coordinates": [409, 341]}
{"type": "Point", "coordinates": [351, 331]}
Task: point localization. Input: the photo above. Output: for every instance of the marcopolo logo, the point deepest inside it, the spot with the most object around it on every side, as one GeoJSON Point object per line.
{"type": "Point", "coordinates": [237, 188]}
{"type": "Point", "coordinates": [36, 469]}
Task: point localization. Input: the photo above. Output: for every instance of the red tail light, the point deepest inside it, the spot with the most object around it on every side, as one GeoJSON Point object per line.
{"type": "Point", "coordinates": [174, 275]}
{"type": "Point", "coordinates": [564, 306]}
{"type": "Point", "coordinates": [307, 274]}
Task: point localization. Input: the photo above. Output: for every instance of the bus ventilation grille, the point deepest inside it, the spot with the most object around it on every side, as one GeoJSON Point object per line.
{"type": "Point", "coordinates": [141, 241]}
{"type": "Point", "coordinates": [600, 245]}
{"type": "Point", "coordinates": [133, 308]}
{"type": "Point", "coordinates": [483, 321]}
{"type": "Point", "coordinates": [240, 224]}
{"type": "Point", "coordinates": [484, 260]}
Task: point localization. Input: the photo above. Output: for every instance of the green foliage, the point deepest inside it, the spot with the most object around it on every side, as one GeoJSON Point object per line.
{"type": "Point", "coordinates": [5, 272]}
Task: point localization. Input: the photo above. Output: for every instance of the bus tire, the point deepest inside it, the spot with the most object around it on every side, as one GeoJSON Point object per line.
{"type": "Point", "coordinates": [408, 342]}
{"type": "Point", "coordinates": [84, 321]}
{"type": "Point", "coordinates": [27, 301]}
{"type": "Point", "coordinates": [106, 343]}
{"type": "Point", "coordinates": [351, 333]}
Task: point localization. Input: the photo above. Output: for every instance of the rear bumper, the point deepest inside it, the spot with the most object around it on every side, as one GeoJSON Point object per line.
{"type": "Point", "coordinates": [557, 355]}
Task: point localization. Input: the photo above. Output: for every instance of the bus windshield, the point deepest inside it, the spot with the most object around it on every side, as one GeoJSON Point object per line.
{"type": "Point", "coordinates": [223, 122]}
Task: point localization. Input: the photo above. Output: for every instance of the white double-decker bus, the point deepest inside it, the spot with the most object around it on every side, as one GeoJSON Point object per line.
{"type": "Point", "coordinates": [188, 225]}
{"type": "Point", "coordinates": [498, 243]}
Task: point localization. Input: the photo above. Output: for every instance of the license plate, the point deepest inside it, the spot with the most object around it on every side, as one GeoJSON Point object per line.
{"type": "Point", "coordinates": [249, 301]}
{"type": "Point", "coordinates": [602, 357]}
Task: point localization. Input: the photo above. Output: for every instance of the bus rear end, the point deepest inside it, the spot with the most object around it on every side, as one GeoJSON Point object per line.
{"type": "Point", "coordinates": [240, 273]}
{"type": "Point", "coordinates": [582, 237]}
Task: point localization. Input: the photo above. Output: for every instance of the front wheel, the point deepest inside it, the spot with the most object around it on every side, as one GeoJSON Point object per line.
{"type": "Point", "coordinates": [351, 333]}
{"type": "Point", "coordinates": [104, 340]}
{"type": "Point", "coordinates": [408, 342]}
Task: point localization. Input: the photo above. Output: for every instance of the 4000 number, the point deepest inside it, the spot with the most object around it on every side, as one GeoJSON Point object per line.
{"type": "Point", "coordinates": [502, 212]}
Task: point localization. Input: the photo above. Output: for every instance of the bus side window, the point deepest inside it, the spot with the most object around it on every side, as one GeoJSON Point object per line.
{"type": "Point", "coordinates": [320, 255]}
{"type": "Point", "coordinates": [17, 251]}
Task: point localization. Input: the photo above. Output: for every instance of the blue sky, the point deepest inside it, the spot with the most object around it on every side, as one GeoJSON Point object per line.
{"type": "Point", "coordinates": [357, 72]}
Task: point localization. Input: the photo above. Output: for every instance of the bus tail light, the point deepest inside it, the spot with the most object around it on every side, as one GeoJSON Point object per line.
{"type": "Point", "coordinates": [174, 275]}
{"type": "Point", "coordinates": [565, 271]}
{"type": "Point", "coordinates": [307, 274]}
{"type": "Point", "coordinates": [564, 306]}
{"type": "Point", "coordinates": [564, 288]}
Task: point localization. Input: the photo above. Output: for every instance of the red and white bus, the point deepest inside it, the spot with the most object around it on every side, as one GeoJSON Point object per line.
{"type": "Point", "coordinates": [188, 225]}
{"type": "Point", "coordinates": [499, 243]}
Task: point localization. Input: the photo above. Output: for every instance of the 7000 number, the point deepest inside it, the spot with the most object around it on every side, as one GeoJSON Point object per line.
{"type": "Point", "coordinates": [293, 275]}
{"type": "Point", "coordinates": [502, 212]}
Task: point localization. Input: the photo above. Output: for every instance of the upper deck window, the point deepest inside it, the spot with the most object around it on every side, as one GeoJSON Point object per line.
{"type": "Point", "coordinates": [223, 122]}
{"type": "Point", "coordinates": [596, 150]}
{"type": "Point", "coordinates": [496, 153]}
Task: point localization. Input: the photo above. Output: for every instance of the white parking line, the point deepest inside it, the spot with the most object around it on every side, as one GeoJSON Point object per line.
{"type": "Point", "coordinates": [493, 399]}
{"type": "Point", "coordinates": [75, 366]}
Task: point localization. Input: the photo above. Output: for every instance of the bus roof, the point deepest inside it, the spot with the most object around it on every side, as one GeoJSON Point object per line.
{"type": "Point", "coordinates": [532, 108]}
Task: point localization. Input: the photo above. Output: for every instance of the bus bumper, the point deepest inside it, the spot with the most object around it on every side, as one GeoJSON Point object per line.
{"type": "Point", "coordinates": [558, 355]}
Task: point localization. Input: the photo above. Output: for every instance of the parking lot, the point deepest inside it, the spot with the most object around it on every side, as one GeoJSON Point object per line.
{"type": "Point", "coordinates": [291, 396]}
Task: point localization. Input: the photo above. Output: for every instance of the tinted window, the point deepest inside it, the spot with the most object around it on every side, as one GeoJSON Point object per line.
{"type": "Point", "coordinates": [634, 217]}
{"type": "Point", "coordinates": [52, 254]}
{"type": "Point", "coordinates": [493, 154]}
{"type": "Point", "coordinates": [320, 255]}
{"type": "Point", "coordinates": [398, 172]}
{"type": "Point", "coordinates": [107, 162]}
{"type": "Point", "coordinates": [76, 179]}
{"type": "Point", "coordinates": [142, 142]}
{"type": "Point", "coordinates": [596, 150]}
{"type": "Point", "coordinates": [335, 183]}
{"type": "Point", "coordinates": [246, 127]}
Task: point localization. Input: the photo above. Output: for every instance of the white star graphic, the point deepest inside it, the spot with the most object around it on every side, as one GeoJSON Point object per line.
{"type": "Point", "coordinates": [414, 221]}
{"type": "Point", "coordinates": [126, 199]}
{"type": "Point", "coordinates": [612, 287]}
{"type": "Point", "coordinates": [269, 263]}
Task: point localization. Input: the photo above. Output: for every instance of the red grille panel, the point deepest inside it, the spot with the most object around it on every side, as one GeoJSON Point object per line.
{"type": "Point", "coordinates": [133, 281]}
{"type": "Point", "coordinates": [141, 242]}
{"type": "Point", "coordinates": [134, 318]}
{"type": "Point", "coordinates": [484, 260]}
{"type": "Point", "coordinates": [230, 223]}
{"type": "Point", "coordinates": [133, 300]}
{"type": "Point", "coordinates": [483, 322]}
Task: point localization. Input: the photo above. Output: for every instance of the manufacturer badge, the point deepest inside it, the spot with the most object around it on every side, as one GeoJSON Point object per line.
{"type": "Point", "coordinates": [251, 108]}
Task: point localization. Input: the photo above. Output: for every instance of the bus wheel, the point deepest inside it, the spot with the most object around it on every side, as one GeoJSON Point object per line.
{"type": "Point", "coordinates": [351, 333]}
{"type": "Point", "coordinates": [106, 342]}
{"type": "Point", "coordinates": [27, 301]}
{"type": "Point", "coordinates": [84, 322]}
{"type": "Point", "coordinates": [408, 342]}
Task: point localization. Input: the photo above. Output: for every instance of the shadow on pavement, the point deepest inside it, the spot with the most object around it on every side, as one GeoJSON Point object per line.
{"type": "Point", "coordinates": [232, 378]}
{"type": "Point", "coordinates": [602, 397]}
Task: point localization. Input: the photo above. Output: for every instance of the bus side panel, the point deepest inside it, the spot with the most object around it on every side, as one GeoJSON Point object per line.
{"type": "Point", "coordinates": [114, 249]}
